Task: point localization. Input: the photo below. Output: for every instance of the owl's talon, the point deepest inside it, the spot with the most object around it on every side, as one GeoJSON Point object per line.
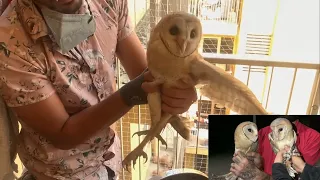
{"type": "Point", "coordinates": [159, 137]}
{"type": "Point", "coordinates": [133, 156]}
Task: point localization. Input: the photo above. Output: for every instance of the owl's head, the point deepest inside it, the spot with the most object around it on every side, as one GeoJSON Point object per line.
{"type": "Point", "coordinates": [280, 128]}
{"type": "Point", "coordinates": [180, 33]}
{"type": "Point", "coordinates": [249, 130]}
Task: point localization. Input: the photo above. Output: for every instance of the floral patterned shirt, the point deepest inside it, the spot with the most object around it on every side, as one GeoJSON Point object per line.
{"type": "Point", "coordinates": [32, 68]}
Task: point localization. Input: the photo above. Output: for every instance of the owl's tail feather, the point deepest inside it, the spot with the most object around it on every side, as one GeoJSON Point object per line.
{"type": "Point", "coordinates": [182, 125]}
{"type": "Point", "coordinates": [224, 89]}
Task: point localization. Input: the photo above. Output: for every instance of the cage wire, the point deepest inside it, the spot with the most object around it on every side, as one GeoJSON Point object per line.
{"type": "Point", "coordinates": [180, 153]}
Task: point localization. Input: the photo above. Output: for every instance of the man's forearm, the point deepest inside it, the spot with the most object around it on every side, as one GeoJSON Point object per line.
{"type": "Point", "coordinates": [82, 125]}
{"type": "Point", "coordinates": [132, 55]}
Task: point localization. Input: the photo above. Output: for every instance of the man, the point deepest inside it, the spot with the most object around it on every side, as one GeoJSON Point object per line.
{"type": "Point", "coordinates": [258, 166]}
{"type": "Point", "coordinates": [57, 75]}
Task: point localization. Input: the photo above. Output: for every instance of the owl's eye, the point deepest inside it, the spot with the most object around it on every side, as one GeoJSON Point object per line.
{"type": "Point", "coordinates": [280, 129]}
{"type": "Point", "coordinates": [193, 34]}
{"type": "Point", "coordinates": [250, 130]}
{"type": "Point", "coordinates": [174, 30]}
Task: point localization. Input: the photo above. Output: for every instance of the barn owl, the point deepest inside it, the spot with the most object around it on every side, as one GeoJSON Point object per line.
{"type": "Point", "coordinates": [172, 55]}
{"type": "Point", "coordinates": [282, 135]}
{"type": "Point", "coordinates": [245, 141]}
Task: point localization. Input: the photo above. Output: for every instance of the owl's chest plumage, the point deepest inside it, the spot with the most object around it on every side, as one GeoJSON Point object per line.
{"type": "Point", "coordinates": [166, 67]}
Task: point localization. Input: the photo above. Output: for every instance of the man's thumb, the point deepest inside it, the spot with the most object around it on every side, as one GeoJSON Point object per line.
{"type": "Point", "coordinates": [149, 87]}
{"type": "Point", "coordinates": [252, 154]}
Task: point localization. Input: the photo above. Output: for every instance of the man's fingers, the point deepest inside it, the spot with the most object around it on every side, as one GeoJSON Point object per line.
{"type": "Point", "coordinates": [235, 169]}
{"type": "Point", "coordinates": [173, 102]}
{"type": "Point", "coordinates": [149, 87]}
{"type": "Point", "coordinates": [189, 94]}
{"type": "Point", "coordinates": [236, 159]}
{"type": "Point", "coordinates": [241, 154]}
{"type": "Point", "coordinates": [173, 110]}
{"type": "Point", "coordinates": [185, 83]}
{"type": "Point", "coordinates": [252, 154]}
{"type": "Point", "coordinates": [148, 76]}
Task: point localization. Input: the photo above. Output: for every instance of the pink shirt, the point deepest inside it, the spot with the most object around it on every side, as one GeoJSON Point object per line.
{"type": "Point", "coordinates": [308, 143]}
{"type": "Point", "coordinates": [32, 68]}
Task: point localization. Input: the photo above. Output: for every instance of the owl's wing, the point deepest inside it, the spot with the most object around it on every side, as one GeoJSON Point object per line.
{"type": "Point", "coordinates": [254, 146]}
{"type": "Point", "coordinates": [224, 89]}
{"type": "Point", "coordinates": [273, 144]}
{"type": "Point", "coordinates": [294, 148]}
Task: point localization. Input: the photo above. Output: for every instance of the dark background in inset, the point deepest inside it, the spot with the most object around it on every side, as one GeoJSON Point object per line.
{"type": "Point", "coordinates": [221, 141]}
{"type": "Point", "coordinates": [221, 136]}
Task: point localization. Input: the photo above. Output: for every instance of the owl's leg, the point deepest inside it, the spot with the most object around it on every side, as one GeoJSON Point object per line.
{"type": "Point", "coordinates": [140, 133]}
{"type": "Point", "coordinates": [154, 101]}
{"type": "Point", "coordinates": [138, 151]}
{"type": "Point", "coordinates": [181, 125]}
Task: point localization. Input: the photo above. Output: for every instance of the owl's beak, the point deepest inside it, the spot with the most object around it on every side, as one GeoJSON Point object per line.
{"type": "Point", "coordinates": [182, 44]}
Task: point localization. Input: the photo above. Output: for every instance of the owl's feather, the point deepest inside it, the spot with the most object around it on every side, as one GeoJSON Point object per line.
{"type": "Point", "coordinates": [224, 89]}
{"type": "Point", "coordinates": [281, 135]}
{"type": "Point", "coordinates": [172, 55]}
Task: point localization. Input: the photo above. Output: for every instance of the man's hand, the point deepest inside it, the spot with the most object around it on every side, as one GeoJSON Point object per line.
{"type": "Point", "coordinates": [279, 156]}
{"type": "Point", "coordinates": [298, 164]}
{"type": "Point", "coordinates": [256, 159]}
{"type": "Point", "coordinates": [175, 100]}
{"type": "Point", "coordinates": [243, 168]}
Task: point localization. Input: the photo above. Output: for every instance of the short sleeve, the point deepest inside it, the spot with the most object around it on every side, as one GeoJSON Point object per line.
{"type": "Point", "coordinates": [125, 26]}
{"type": "Point", "coordinates": [23, 81]}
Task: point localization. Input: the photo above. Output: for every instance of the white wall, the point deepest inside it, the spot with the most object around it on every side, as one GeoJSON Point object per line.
{"type": "Point", "coordinates": [296, 38]}
{"type": "Point", "coordinates": [296, 34]}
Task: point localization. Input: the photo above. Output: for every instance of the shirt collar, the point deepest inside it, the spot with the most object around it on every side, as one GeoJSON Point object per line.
{"type": "Point", "coordinates": [33, 21]}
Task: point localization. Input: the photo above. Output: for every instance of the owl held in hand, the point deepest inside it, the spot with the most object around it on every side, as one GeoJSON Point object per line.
{"type": "Point", "coordinates": [282, 135]}
{"type": "Point", "coordinates": [172, 55]}
{"type": "Point", "coordinates": [245, 141]}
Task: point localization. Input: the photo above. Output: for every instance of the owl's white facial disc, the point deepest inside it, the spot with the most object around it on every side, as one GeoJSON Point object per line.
{"type": "Point", "coordinates": [181, 35]}
{"type": "Point", "coordinates": [280, 128]}
{"type": "Point", "coordinates": [250, 130]}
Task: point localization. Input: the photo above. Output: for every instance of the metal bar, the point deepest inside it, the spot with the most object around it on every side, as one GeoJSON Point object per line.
{"type": "Point", "coordinates": [158, 156]}
{"type": "Point", "coordinates": [219, 45]}
{"type": "Point", "coordinates": [264, 84]}
{"type": "Point", "coordinates": [139, 110]}
{"type": "Point", "coordinates": [256, 61]}
{"type": "Point", "coordinates": [291, 90]}
{"type": "Point", "coordinates": [269, 88]}
{"type": "Point", "coordinates": [254, 119]}
{"type": "Point", "coordinates": [139, 122]}
{"type": "Point", "coordinates": [314, 101]}
{"type": "Point", "coordinates": [177, 141]}
{"type": "Point", "coordinates": [199, 117]}
{"type": "Point", "coordinates": [120, 121]}
{"type": "Point", "coordinates": [249, 72]}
